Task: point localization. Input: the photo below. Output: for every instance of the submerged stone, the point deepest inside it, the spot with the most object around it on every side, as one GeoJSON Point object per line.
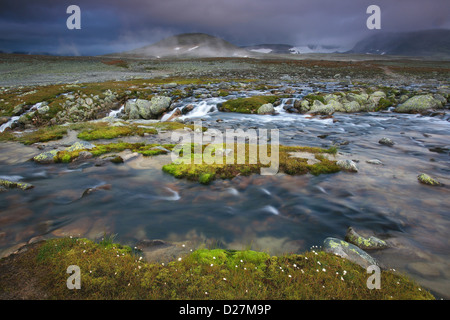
{"type": "Point", "coordinates": [375, 162]}
{"type": "Point", "coordinates": [386, 141]}
{"type": "Point", "coordinates": [6, 184]}
{"type": "Point", "coordinates": [426, 179]}
{"type": "Point", "coordinates": [370, 243]}
{"type": "Point", "coordinates": [348, 251]}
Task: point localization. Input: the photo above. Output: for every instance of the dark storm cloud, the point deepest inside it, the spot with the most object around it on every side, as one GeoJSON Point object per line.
{"type": "Point", "coordinates": [117, 25]}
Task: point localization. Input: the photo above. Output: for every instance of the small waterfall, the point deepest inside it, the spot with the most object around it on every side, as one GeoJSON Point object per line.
{"type": "Point", "coordinates": [201, 109]}
{"type": "Point", "coordinates": [168, 115]}
{"type": "Point", "coordinates": [14, 119]}
{"type": "Point", "coordinates": [9, 123]}
{"type": "Point", "coordinates": [114, 113]}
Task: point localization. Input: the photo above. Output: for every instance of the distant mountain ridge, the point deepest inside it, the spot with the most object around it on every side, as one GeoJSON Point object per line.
{"type": "Point", "coordinates": [189, 45]}
{"type": "Point", "coordinates": [427, 43]}
{"type": "Point", "coordinates": [417, 43]}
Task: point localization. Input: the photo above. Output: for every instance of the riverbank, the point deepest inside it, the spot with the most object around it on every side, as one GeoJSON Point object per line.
{"type": "Point", "coordinates": [111, 271]}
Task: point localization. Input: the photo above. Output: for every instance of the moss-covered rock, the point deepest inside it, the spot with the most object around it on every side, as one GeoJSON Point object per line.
{"type": "Point", "coordinates": [46, 157]}
{"type": "Point", "coordinates": [347, 165]}
{"type": "Point", "coordinates": [266, 109]}
{"type": "Point", "coordinates": [287, 161]}
{"type": "Point", "coordinates": [419, 104]}
{"type": "Point", "coordinates": [370, 243]}
{"type": "Point", "coordinates": [348, 251]}
{"type": "Point", "coordinates": [246, 105]}
{"type": "Point", "coordinates": [426, 179]}
{"type": "Point", "coordinates": [15, 185]}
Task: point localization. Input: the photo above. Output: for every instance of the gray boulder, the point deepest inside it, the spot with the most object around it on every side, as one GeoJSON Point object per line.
{"type": "Point", "coordinates": [266, 109]}
{"type": "Point", "coordinates": [419, 104]}
{"type": "Point", "coordinates": [82, 145]}
{"type": "Point", "coordinates": [320, 108]}
{"type": "Point", "coordinates": [46, 157]}
{"type": "Point", "coordinates": [386, 141]}
{"type": "Point", "coordinates": [144, 109]}
{"type": "Point", "coordinates": [347, 165]}
{"type": "Point", "coordinates": [352, 106]}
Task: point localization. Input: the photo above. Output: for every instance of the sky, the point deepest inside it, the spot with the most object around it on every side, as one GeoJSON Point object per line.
{"type": "Point", "coordinates": [108, 26]}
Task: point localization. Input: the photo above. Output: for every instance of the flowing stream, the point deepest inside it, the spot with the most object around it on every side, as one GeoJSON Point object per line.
{"type": "Point", "coordinates": [278, 214]}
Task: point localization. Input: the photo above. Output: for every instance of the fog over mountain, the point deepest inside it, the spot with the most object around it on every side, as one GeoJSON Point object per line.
{"type": "Point", "coordinates": [418, 43]}
{"type": "Point", "coordinates": [435, 43]}
{"type": "Point", "coordinates": [189, 45]}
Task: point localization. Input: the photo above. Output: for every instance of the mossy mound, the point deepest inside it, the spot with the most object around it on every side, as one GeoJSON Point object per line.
{"type": "Point", "coordinates": [247, 105]}
{"type": "Point", "coordinates": [113, 271]}
{"type": "Point", "coordinates": [196, 168]}
{"type": "Point", "coordinates": [104, 131]}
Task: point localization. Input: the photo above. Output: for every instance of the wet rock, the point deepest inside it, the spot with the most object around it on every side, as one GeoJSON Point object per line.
{"type": "Point", "coordinates": [426, 179]}
{"type": "Point", "coordinates": [377, 95]}
{"type": "Point", "coordinates": [46, 157]}
{"type": "Point", "coordinates": [348, 251]}
{"type": "Point", "coordinates": [15, 185]}
{"type": "Point", "coordinates": [386, 141]}
{"type": "Point", "coordinates": [375, 162]}
{"type": "Point", "coordinates": [18, 110]}
{"type": "Point", "coordinates": [352, 106]}
{"type": "Point", "coordinates": [336, 105]}
{"type": "Point", "coordinates": [266, 109]}
{"type": "Point", "coordinates": [96, 188]}
{"type": "Point", "coordinates": [82, 145]}
{"type": "Point", "coordinates": [174, 115]}
{"type": "Point", "coordinates": [370, 243]}
{"type": "Point", "coordinates": [84, 155]}
{"type": "Point", "coordinates": [43, 110]}
{"type": "Point", "coordinates": [347, 165]}
{"type": "Point", "coordinates": [117, 160]}
{"type": "Point", "coordinates": [321, 109]}
{"type": "Point", "coordinates": [147, 109]}
{"type": "Point", "coordinates": [418, 104]}
{"type": "Point", "coordinates": [187, 109]}
{"type": "Point", "coordinates": [361, 98]}
{"type": "Point", "coordinates": [130, 156]}
{"type": "Point", "coordinates": [146, 243]}
{"type": "Point", "coordinates": [3, 120]}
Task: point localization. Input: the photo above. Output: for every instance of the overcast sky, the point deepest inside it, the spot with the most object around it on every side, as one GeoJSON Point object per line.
{"type": "Point", "coordinates": [117, 25]}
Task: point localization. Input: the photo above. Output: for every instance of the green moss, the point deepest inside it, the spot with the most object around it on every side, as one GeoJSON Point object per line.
{"type": "Point", "coordinates": [426, 179]}
{"type": "Point", "coordinates": [43, 134]}
{"type": "Point", "coordinates": [103, 131]}
{"type": "Point", "coordinates": [311, 97]}
{"type": "Point", "coordinates": [384, 104]}
{"type": "Point", "coordinates": [247, 105]}
{"type": "Point", "coordinates": [117, 160]}
{"type": "Point", "coordinates": [112, 271]}
{"type": "Point", "coordinates": [205, 173]}
{"type": "Point", "coordinates": [206, 178]}
{"type": "Point", "coordinates": [15, 185]}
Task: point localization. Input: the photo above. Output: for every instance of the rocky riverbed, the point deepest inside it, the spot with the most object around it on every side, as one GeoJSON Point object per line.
{"type": "Point", "coordinates": [364, 144]}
